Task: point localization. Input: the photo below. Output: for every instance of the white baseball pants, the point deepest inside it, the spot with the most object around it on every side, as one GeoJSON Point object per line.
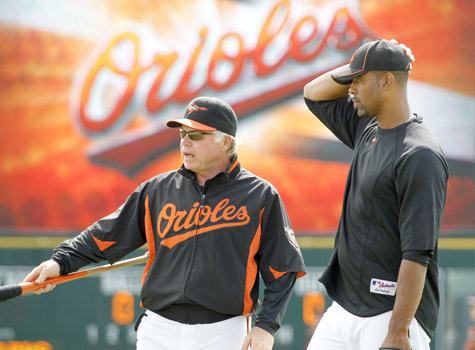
{"type": "Point", "coordinates": [156, 332]}
{"type": "Point", "coordinates": [340, 330]}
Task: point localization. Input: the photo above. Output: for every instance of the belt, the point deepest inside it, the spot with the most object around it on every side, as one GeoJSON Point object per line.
{"type": "Point", "coordinates": [191, 314]}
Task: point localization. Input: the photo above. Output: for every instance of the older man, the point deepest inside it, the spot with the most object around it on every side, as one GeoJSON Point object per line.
{"type": "Point", "coordinates": [211, 228]}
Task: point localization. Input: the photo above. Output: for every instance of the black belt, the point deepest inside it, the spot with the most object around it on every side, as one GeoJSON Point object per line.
{"type": "Point", "coordinates": [191, 314]}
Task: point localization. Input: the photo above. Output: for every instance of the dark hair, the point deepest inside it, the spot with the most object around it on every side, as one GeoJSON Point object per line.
{"type": "Point", "coordinates": [401, 76]}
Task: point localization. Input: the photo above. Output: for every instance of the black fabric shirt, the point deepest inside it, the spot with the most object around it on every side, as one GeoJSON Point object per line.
{"type": "Point", "coordinates": [392, 209]}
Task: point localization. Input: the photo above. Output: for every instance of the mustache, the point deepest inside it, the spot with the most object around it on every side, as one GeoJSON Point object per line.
{"type": "Point", "coordinates": [353, 98]}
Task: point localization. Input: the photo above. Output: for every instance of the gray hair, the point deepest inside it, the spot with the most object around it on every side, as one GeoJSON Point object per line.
{"type": "Point", "coordinates": [219, 136]}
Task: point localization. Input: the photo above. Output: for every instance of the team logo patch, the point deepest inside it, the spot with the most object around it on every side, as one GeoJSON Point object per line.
{"type": "Point", "coordinates": [290, 233]}
{"type": "Point", "coordinates": [193, 108]}
{"type": "Point", "coordinates": [383, 287]}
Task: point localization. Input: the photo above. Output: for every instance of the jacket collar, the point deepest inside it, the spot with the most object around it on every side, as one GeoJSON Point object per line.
{"type": "Point", "coordinates": [231, 171]}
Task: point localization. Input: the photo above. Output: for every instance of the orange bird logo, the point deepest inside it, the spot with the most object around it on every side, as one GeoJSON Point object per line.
{"type": "Point", "coordinates": [193, 108]}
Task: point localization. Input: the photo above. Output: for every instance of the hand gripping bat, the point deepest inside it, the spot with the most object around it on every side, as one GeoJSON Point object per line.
{"type": "Point", "coordinates": [15, 290]}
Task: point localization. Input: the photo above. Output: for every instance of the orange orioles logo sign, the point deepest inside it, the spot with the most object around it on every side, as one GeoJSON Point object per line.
{"type": "Point", "coordinates": [198, 220]}
{"type": "Point", "coordinates": [289, 35]}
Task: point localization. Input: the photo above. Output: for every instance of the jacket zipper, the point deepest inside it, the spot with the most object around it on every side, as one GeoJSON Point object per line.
{"type": "Point", "coordinates": [193, 252]}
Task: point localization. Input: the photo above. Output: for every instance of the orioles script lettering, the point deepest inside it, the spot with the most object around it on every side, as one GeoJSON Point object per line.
{"type": "Point", "coordinates": [175, 76]}
{"type": "Point", "coordinates": [198, 220]}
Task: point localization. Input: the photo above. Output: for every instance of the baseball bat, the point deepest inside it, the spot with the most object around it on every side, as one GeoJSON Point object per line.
{"type": "Point", "coordinates": [15, 290]}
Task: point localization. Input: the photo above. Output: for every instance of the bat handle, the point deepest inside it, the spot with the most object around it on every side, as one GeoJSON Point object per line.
{"type": "Point", "coordinates": [15, 290]}
{"type": "Point", "coordinates": [10, 292]}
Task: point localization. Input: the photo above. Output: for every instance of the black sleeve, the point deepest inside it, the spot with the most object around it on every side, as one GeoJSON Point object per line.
{"type": "Point", "coordinates": [279, 252]}
{"type": "Point", "coordinates": [422, 257]}
{"type": "Point", "coordinates": [422, 189]}
{"type": "Point", "coordinates": [276, 298]}
{"type": "Point", "coordinates": [109, 238]}
{"type": "Point", "coordinates": [340, 118]}
{"type": "Point", "coordinates": [75, 253]}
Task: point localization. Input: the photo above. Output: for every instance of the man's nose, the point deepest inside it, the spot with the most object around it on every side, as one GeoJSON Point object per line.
{"type": "Point", "coordinates": [352, 89]}
{"type": "Point", "coordinates": [186, 140]}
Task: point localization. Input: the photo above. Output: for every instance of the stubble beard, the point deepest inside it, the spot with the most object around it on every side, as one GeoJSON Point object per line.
{"type": "Point", "coordinates": [363, 113]}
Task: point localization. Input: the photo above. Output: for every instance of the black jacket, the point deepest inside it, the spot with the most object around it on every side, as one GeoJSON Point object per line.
{"type": "Point", "coordinates": [206, 244]}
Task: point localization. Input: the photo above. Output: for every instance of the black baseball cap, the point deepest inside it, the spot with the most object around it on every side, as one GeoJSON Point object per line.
{"type": "Point", "coordinates": [375, 55]}
{"type": "Point", "coordinates": [208, 114]}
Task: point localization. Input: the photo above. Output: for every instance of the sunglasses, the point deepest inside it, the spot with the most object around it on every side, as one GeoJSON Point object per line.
{"type": "Point", "coordinates": [194, 135]}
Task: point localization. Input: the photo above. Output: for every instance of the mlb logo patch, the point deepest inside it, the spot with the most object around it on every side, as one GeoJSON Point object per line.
{"type": "Point", "coordinates": [383, 287]}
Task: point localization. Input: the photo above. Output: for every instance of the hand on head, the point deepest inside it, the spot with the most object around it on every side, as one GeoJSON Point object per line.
{"type": "Point", "coordinates": [406, 49]}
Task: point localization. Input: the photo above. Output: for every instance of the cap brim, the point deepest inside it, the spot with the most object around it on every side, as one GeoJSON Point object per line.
{"type": "Point", "coordinates": [346, 76]}
{"type": "Point", "coordinates": [176, 123]}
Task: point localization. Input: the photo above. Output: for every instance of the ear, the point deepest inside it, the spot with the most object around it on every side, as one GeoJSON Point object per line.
{"type": "Point", "coordinates": [226, 143]}
{"type": "Point", "coordinates": [387, 80]}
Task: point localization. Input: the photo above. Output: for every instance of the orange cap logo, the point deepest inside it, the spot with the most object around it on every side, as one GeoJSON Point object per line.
{"type": "Point", "coordinates": [192, 108]}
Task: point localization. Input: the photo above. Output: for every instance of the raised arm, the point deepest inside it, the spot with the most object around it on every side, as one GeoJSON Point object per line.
{"type": "Point", "coordinates": [324, 88]}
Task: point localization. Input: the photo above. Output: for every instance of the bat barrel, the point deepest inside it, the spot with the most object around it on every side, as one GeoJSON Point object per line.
{"type": "Point", "coordinates": [9, 292]}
